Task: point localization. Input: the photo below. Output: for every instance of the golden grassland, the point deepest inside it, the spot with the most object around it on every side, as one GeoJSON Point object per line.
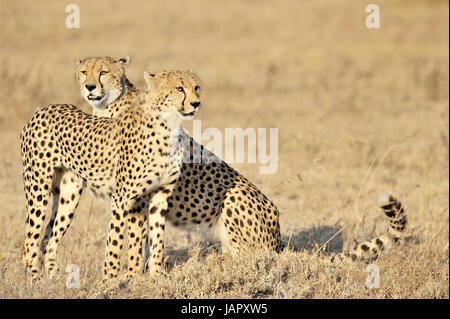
{"type": "Point", "coordinates": [359, 111]}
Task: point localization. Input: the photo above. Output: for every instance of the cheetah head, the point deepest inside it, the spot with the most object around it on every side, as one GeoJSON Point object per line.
{"type": "Point", "coordinates": [174, 92]}
{"type": "Point", "coordinates": [101, 79]}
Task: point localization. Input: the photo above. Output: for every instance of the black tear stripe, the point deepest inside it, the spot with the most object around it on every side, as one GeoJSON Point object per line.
{"type": "Point", "coordinates": [99, 74]}
{"type": "Point", "coordinates": [184, 98]}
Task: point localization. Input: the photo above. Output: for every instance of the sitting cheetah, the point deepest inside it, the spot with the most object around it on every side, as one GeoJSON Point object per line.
{"type": "Point", "coordinates": [212, 197]}
{"type": "Point", "coordinates": [134, 155]}
{"type": "Point", "coordinates": [220, 202]}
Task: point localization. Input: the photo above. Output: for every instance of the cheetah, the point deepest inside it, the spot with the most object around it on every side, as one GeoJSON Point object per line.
{"type": "Point", "coordinates": [211, 197]}
{"type": "Point", "coordinates": [134, 155]}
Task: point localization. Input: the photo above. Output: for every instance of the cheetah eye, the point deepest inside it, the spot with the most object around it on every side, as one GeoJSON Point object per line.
{"type": "Point", "coordinates": [180, 89]}
{"type": "Point", "coordinates": [196, 88]}
{"type": "Point", "coordinates": [104, 72]}
{"type": "Point", "coordinates": [84, 72]}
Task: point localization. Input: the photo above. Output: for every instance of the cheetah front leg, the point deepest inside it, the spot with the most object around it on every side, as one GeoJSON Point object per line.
{"type": "Point", "coordinates": [156, 223]}
{"type": "Point", "coordinates": [115, 239]}
{"type": "Point", "coordinates": [137, 235]}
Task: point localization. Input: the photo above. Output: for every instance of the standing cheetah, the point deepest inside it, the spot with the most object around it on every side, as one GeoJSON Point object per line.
{"type": "Point", "coordinates": [134, 155]}
{"type": "Point", "coordinates": [212, 197]}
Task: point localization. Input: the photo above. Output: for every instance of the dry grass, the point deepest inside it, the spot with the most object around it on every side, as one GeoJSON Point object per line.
{"type": "Point", "coordinates": [341, 95]}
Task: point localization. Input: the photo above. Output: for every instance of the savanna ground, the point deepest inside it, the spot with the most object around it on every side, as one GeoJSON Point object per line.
{"type": "Point", "coordinates": [358, 111]}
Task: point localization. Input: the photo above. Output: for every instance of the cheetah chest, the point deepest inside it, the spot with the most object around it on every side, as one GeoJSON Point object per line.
{"type": "Point", "coordinates": [167, 164]}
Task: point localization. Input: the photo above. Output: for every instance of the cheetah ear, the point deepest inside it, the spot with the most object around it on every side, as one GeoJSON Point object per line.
{"type": "Point", "coordinates": [77, 64]}
{"type": "Point", "coordinates": [194, 74]}
{"type": "Point", "coordinates": [125, 61]}
{"type": "Point", "coordinates": [151, 81]}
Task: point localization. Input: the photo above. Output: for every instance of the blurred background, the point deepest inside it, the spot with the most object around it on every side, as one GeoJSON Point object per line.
{"type": "Point", "coordinates": [358, 110]}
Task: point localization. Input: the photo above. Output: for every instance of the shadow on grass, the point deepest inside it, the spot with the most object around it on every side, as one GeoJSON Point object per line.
{"type": "Point", "coordinates": [311, 239]}
{"type": "Point", "coordinates": [307, 240]}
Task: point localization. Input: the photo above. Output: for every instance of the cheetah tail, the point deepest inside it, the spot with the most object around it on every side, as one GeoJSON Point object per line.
{"type": "Point", "coordinates": [370, 250]}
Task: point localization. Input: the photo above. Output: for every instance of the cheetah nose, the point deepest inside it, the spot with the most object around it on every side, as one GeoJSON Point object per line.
{"type": "Point", "coordinates": [195, 104]}
{"type": "Point", "coordinates": [90, 87]}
